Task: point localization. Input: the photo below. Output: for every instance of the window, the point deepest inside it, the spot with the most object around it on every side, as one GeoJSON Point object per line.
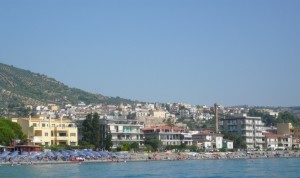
{"type": "Point", "coordinates": [62, 143]}
{"type": "Point", "coordinates": [43, 125]}
{"type": "Point", "coordinates": [73, 134]}
{"type": "Point", "coordinates": [46, 143]}
{"type": "Point", "coordinates": [46, 134]}
{"type": "Point", "coordinates": [62, 134]}
{"type": "Point", "coordinates": [34, 124]}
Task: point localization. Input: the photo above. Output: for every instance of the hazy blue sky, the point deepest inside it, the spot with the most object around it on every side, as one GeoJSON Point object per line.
{"type": "Point", "coordinates": [198, 52]}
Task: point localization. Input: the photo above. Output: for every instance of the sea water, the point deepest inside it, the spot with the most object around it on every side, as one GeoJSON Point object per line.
{"type": "Point", "coordinates": [195, 168]}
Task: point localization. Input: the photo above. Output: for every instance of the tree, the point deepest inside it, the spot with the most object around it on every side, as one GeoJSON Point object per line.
{"type": "Point", "coordinates": [265, 117]}
{"type": "Point", "coordinates": [126, 147]}
{"type": "Point", "coordinates": [108, 142]}
{"type": "Point", "coordinates": [87, 128]}
{"type": "Point", "coordinates": [238, 141]}
{"type": "Point", "coordinates": [286, 117]}
{"type": "Point", "coordinates": [153, 142]}
{"type": "Point", "coordinates": [96, 130]}
{"type": "Point", "coordinates": [135, 146]}
{"type": "Point", "coordinates": [10, 131]}
{"type": "Point", "coordinates": [149, 148]}
{"type": "Point", "coordinates": [169, 121]}
{"type": "Point", "coordinates": [91, 130]}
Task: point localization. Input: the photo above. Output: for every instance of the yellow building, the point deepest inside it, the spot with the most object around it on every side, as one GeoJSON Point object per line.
{"type": "Point", "coordinates": [43, 131]}
{"type": "Point", "coordinates": [284, 128]}
{"type": "Point", "coordinates": [158, 113]}
{"type": "Point", "coordinates": [53, 107]}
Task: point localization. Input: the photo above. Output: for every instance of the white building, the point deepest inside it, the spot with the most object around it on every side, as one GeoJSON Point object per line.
{"type": "Point", "coordinates": [278, 141]}
{"type": "Point", "coordinates": [124, 131]}
{"type": "Point", "coordinates": [249, 128]}
{"type": "Point", "coordinates": [208, 140]}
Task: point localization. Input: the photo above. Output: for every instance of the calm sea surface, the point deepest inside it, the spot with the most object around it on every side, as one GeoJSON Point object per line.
{"type": "Point", "coordinates": [197, 168]}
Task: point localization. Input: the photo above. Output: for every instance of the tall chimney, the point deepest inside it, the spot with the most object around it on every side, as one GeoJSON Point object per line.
{"type": "Point", "coordinates": [217, 117]}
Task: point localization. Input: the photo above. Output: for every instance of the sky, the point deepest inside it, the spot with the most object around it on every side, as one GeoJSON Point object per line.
{"type": "Point", "coordinates": [198, 51]}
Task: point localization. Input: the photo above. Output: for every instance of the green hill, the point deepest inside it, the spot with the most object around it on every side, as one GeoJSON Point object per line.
{"type": "Point", "coordinates": [23, 87]}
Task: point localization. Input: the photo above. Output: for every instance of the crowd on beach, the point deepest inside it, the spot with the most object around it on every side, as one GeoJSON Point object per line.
{"type": "Point", "coordinates": [78, 156]}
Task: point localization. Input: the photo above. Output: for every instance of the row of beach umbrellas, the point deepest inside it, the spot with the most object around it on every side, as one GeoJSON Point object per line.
{"type": "Point", "coordinates": [58, 155]}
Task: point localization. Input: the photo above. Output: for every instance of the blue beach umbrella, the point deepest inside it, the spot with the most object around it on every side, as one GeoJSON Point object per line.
{"type": "Point", "coordinates": [72, 153]}
{"type": "Point", "coordinates": [50, 154]}
{"type": "Point", "coordinates": [58, 154]}
{"type": "Point", "coordinates": [103, 154]}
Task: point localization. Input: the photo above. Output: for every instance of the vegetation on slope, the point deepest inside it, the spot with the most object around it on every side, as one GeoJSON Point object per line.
{"type": "Point", "coordinates": [18, 86]}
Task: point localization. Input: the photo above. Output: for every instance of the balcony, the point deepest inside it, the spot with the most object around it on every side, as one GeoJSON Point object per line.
{"type": "Point", "coordinates": [234, 123]}
{"type": "Point", "coordinates": [127, 139]}
{"type": "Point", "coordinates": [247, 135]}
{"type": "Point", "coordinates": [260, 141]}
{"type": "Point", "coordinates": [61, 138]}
{"type": "Point", "coordinates": [125, 132]}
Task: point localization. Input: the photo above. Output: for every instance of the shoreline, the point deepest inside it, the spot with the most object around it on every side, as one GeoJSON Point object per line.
{"type": "Point", "coordinates": [141, 158]}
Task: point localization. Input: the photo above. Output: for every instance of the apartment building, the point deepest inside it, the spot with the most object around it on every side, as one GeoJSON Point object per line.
{"type": "Point", "coordinates": [288, 129]}
{"type": "Point", "coordinates": [48, 131]}
{"type": "Point", "coordinates": [123, 131]}
{"type": "Point", "coordinates": [169, 135]}
{"type": "Point", "coordinates": [278, 141]}
{"type": "Point", "coordinates": [249, 128]}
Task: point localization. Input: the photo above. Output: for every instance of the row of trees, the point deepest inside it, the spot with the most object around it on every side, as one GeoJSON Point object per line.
{"type": "Point", "coordinates": [283, 117]}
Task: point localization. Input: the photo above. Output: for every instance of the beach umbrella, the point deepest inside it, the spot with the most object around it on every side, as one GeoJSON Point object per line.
{"type": "Point", "coordinates": [32, 154]}
{"type": "Point", "coordinates": [50, 154]}
{"type": "Point", "coordinates": [80, 153]}
{"type": "Point", "coordinates": [64, 153]}
{"type": "Point", "coordinates": [4, 154]}
{"type": "Point", "coordinates": [58, 154]}
{"type": "Point", "coordinates": [87, 153]}
{"type": "Point", "coordinates": [96, 154]}
{"type": "Point", "coordinates": [112, 154]}
{"type": "Point", "coordinates": [103, 153]}
{"type": "Point", "coordinates": [24, 153]}
{"type": "Point", "coordinates": [72, 153]}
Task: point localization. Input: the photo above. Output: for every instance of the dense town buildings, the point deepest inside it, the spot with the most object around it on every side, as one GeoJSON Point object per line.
{"type": "Point", "coordinates": [133, 123]}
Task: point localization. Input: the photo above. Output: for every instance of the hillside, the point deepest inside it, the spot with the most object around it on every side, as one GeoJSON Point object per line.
{"type": "Point", "coordinates": [23, 87]}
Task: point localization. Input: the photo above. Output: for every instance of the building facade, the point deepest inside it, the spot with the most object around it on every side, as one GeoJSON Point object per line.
{"type": "Point", "coordinates": [208, 140]}
{"type": "Point", "coordinates": [278, 141]}
{"type": "Point", "coordinates": [123, 131]}
{"type": "Point", "coordinates": [249, 128]}
{"type": "Point", "coordinates": [169, 135]}
{"type": "Point", "coordinates": [158, 113]}
{"type": "Point", "coordinates": [288, 129]}
{"type": "Point", "coordinates": [47, 131]}
{"type": "Point", "coordinates": [284, 128]}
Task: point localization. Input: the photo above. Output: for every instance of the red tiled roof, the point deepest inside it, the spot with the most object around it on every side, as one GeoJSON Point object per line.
{"type": "Point", "coordinates": [271, 135]}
